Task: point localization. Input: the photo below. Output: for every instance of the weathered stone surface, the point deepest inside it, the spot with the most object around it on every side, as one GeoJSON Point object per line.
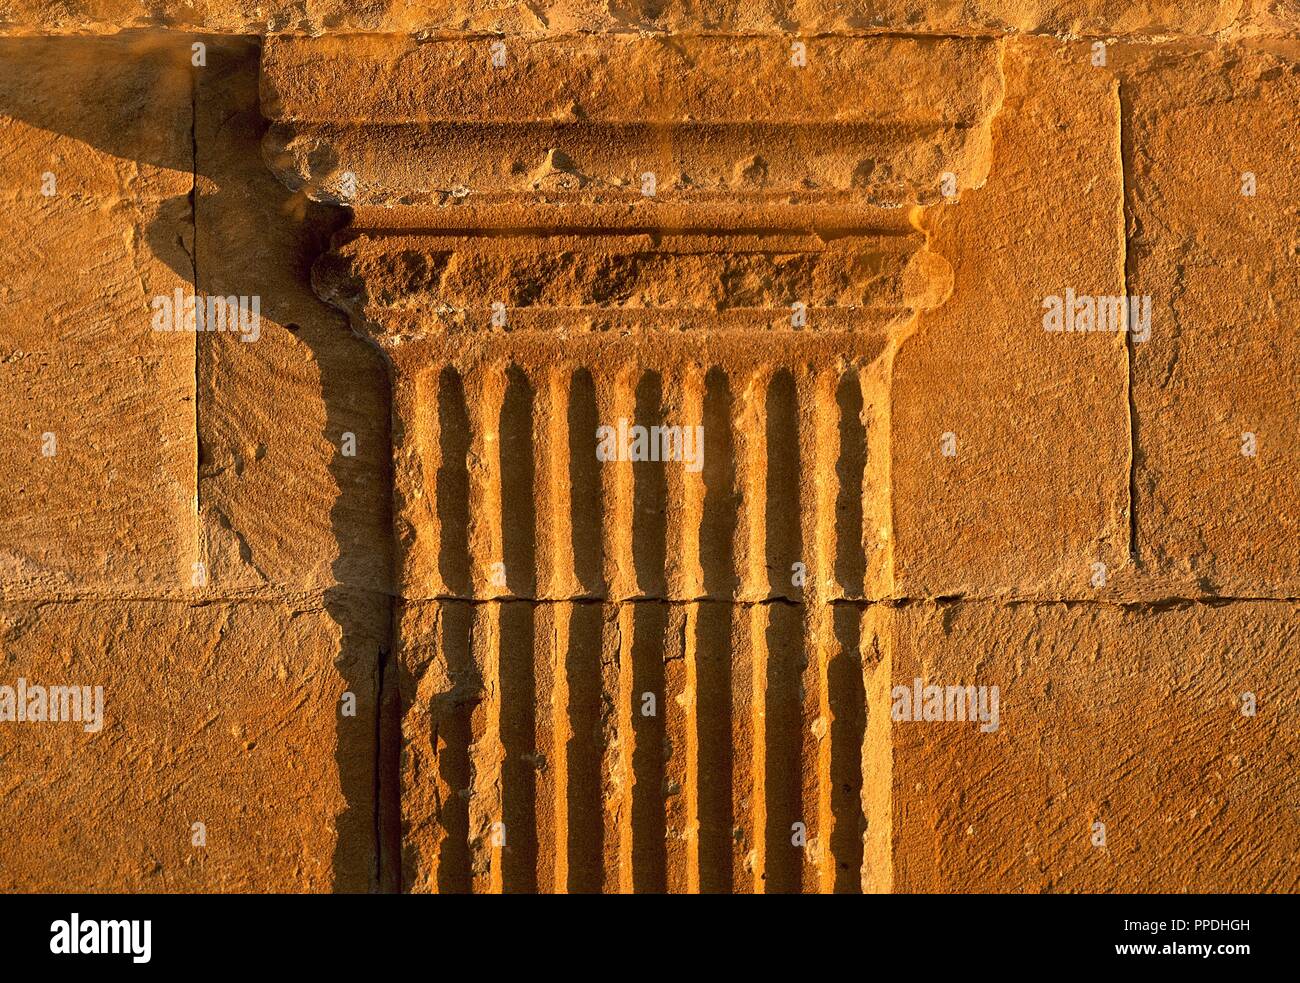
{"type": "Point", "coordinates": [1215, 389]}
{"type": "Point", "coordinates": [94, 169]}
{"type": "Point", "coordinates": [649, 672]}
{"type": "Point", "coordinates": [1088, 17]}
{"type": "Point", "coordinates": [1010, 444]}
{"type": "Point", "coordinates": [225, 714]}
{"type": "Point", "coordinates": [287, 499]}
{"type": "Point", "coordinates": [878, 120]}
{"type": "Point", "coordinates": [499, 491]}
{"type": "Point", "coordinates": [1132, 718]}
{"type": "Point", "coordinates": [144, 496]}
{"type": "Point", "coordinates": [531, 762]}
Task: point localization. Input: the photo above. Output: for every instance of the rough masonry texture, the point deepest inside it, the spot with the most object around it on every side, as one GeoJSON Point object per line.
{"type": "Point", "coordinates": [373, 609]}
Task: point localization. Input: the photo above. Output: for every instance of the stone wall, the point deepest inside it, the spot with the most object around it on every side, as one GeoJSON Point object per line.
{"type": "Point", "coordinates": [376, 604]}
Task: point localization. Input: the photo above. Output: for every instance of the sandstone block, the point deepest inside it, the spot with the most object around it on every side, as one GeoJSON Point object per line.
{"type": "Point", "coordinates": [1217, 472]}
{"type": "Point", "coordinates": [231, 715]}
{"type": "Point", "coordinates": [293, 422]}
{"type": "Point", "coordinates": [1010, 444]}
{"type": "Point", "coordinates": [1131, 718]}
{"type": "Point", "coordinates": [98, 493]}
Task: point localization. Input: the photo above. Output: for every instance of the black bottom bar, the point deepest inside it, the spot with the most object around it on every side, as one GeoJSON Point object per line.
{"type": "Point", "coordinates": [908, 934]}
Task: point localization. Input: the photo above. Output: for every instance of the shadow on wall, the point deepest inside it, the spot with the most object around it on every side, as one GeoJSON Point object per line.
{"type": "Point", "coordinates": [137, 97]}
